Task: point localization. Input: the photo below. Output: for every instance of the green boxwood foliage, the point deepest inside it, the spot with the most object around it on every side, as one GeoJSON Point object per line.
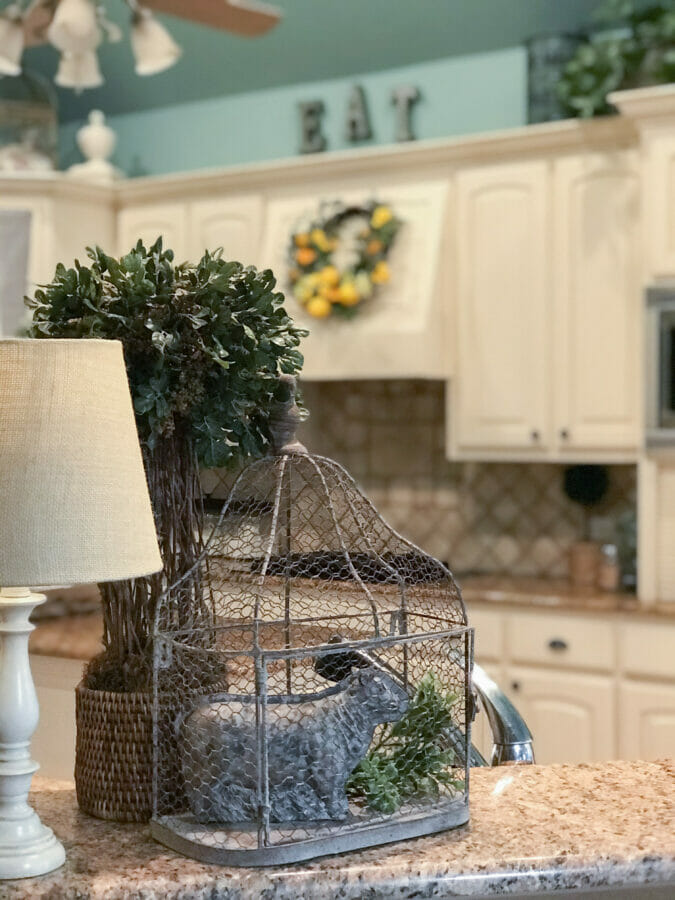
{"type": "Point", "coordinates": [638, 51]}
{"type": "Point", "coordinates": [204, 343]}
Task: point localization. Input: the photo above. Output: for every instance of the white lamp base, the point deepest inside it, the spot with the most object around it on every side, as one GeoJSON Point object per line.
{"type": "Point", "coordinates": [27, 847]}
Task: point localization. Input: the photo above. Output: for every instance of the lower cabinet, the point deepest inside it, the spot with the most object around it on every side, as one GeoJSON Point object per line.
{"type": "Point", "coordinates": [646, 719]}
{"type": "Point", "coordinates": [589, 687]}
{"type": "Point", "coordinates": [570, 715]}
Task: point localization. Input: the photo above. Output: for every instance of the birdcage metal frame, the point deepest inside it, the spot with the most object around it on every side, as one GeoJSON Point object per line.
{"type": "Point", "coordinates": [266, 671]}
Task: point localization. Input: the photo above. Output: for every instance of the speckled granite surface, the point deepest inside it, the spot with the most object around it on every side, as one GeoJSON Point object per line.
{"type": "Point", "coordinates": [532, 828]}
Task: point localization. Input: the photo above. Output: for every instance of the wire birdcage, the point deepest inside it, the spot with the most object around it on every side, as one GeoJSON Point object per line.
{"type": "Point", "coordinates": [325, 704]}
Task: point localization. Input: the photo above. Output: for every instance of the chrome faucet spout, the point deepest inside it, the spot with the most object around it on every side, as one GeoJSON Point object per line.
{"type": "Point", "coordinates": [512, 739]}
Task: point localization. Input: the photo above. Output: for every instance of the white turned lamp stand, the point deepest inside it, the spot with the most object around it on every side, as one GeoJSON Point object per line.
{"type": "Point", "coordinates": [27, 847]}
{"type": "Point", "coordinates": [74, 509]}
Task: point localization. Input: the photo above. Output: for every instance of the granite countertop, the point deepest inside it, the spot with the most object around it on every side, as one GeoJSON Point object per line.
{"type": "Point", "coordinates": [532, 828]}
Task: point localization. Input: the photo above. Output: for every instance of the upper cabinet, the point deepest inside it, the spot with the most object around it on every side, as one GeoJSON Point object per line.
{"type": "Point", "coordinates": [548, 310]}
{"type": "Point", "coordinates": [150, 221]}
{"type": "Point", "coordinates": [189, 228]}
{"type": "Point", "coordinates": [399, 333]}
{"type": "Point", "coordinates": [597, 293]}
{"type": "Point", "coordinates": [66, 218]}
{"type": "Point", "coordinates": [500, 395]}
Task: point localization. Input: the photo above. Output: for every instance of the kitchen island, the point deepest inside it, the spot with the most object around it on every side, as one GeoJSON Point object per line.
{"type": "Point", "coordinates": [532, 829]}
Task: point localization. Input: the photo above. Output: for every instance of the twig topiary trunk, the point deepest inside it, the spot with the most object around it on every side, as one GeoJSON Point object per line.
{"type": "Point", "coordinates": [129, 607]}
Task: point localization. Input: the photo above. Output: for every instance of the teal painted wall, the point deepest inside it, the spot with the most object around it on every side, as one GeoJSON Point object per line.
{"type": "Point", "coordinates": [460, 95]}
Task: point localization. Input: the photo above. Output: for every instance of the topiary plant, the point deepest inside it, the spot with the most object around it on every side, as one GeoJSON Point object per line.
{"type": "Point", "coordinates": [638, 51]}
{"type": "Point", "coordinates": [204, 345]}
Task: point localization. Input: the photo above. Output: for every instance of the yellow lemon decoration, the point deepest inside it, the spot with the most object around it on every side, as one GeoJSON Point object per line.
{"type": "Point", "coordinates": [329, 275]}
{"type": "Point", "coordinates": [322, 287]}
{"type": "Point", "coordinates": [381, 215]}
{"type": "Point", "coordinates": [319, 307]}
{"type": "Point", "coordinates": [305, 256]}
{"type": "Point", "coordinates": [380, 273]}
{"type": "Point", "coordinates": [349, 295]}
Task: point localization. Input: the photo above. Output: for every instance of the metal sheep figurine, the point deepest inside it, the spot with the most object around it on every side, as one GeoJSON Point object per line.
{"type": "Point", "coordinates": [313, 744]}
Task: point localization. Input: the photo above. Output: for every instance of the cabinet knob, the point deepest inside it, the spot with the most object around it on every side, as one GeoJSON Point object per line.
{"type": "Point", "coordinates": [557, 644]}
{"type": "Point", "coordinates": [564, 434]}
{"type": "Point", "coordinates": [534, 434]}
{"type": "Point", "coordinates": [515, 685]}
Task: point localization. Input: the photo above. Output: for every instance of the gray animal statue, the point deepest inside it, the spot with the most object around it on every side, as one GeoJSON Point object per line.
{"type": "Point", "coordinates": [313, 744]}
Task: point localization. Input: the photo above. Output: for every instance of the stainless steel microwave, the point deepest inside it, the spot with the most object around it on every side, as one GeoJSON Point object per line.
{"type": "Point", "coordinates": [660, 359]}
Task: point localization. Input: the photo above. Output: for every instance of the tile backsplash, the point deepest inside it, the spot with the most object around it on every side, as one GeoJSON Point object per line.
{"type": "Point", "coordinates": [481, 517]}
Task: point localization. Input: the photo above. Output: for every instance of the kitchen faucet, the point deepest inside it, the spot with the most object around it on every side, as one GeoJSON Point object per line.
{"type": "Point", "coordinates": [512, 740]}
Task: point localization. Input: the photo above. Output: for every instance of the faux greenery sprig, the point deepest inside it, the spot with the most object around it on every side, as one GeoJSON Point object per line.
{"type": "Point", "coordinates": [412, 757]}
{"type": "Point", "coordinates": [638, 51]}
{"type": "Point", "coordinates": [204, 343]}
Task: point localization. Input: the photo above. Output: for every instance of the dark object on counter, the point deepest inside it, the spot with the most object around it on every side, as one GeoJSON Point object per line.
{"type": "Point", "coordinates": [384, 568]}
{"type": "Point", "coordinates": [586, 485]}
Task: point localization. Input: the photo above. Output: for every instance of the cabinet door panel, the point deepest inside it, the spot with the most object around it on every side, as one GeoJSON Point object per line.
{"type": "Point", "coordinates": [502, 386]}
{"type": "Point", "coordinates": [165, 220]}
{"type": "Point", "coordinates": [571, 716]}
{"type": "Point", "coordinates": [646, 720]}
{"type": "Point", "coordinates": [233, 223]}
{"type": "Point", "coordinates": [598, 301]}
{"type": "Point", "coordinates": [660, 204]}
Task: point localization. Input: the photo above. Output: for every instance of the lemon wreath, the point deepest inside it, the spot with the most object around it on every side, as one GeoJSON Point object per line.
{"type": "Point", "coordinates": [318, 284]}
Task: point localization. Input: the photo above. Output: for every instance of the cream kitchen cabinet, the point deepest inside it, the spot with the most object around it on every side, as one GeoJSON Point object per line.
{"type": "Point", "coordinates": [233, 223]}
{"type": "Point", "coordinates": [188, 228]}
{"type": "Point", "coordinates": [588, 686]}
{"type": "Point", "coordinates": [646, 719]}
{"type": "Point", "coordinates": [571, 715]}
{"type": "Point", "coordinates": [66, 218]}
{"type": "Point", "coordinates": [547, 311]}
{"type": "Point", "coordinates": [153, 220]}
{"type": "Point", "coordinates": [598, 303]}
{"type": "Point", "coordinates": [499, 397]}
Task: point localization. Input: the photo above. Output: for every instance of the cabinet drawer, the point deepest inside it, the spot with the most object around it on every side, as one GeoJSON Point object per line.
{"type": "Point", "coordinates": [489, 642]}
{"type": "Point", "coordinates": [647, 649]}
{"type": "Point", "coordinates": [562, 641]}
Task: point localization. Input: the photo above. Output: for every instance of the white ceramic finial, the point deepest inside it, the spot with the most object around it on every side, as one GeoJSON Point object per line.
{"type": "Point", "coordinates": [97, 142]}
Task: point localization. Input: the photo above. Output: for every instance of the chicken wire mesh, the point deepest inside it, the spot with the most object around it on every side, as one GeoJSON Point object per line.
{"type": "Point", "coordinates": [324, 702]}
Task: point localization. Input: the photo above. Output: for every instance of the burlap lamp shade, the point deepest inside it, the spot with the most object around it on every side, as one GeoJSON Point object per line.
{"type": "Point", "coordinates": [74, 507]}
{"type": "Point", "coordinates": [74, 503]}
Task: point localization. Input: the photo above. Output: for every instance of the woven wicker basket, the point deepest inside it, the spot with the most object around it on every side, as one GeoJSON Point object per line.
{"type": "Point", "coordinates": [113, 754]}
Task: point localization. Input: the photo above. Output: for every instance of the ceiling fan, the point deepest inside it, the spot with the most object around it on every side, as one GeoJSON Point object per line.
{"type": "Point", "coordinates": [77, 27]}
{"type": "Point", "coordinates": [249, 18]}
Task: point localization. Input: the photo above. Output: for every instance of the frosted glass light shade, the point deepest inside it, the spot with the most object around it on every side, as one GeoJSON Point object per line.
{"type": "Point", "coordinates": [79, 71]}
{"type": "Point", "coordinates": [74, 27]}
{"type": "Point", "coordinates": [74, 503]}
{"type": "Point", "coordinates": [153, 47]}
{"type": "Point", "coordinates": [11, 41]}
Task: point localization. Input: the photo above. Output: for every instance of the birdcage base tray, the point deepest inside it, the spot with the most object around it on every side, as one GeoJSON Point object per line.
{"type": "Point", "coordinates": [208, 843]}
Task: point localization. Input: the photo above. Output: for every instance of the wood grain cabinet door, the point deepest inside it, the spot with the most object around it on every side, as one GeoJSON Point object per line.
{"type": "Point", "coordinates": [571, 715]}
{"type": "Point", "coordinates": [502, 378]}
{"type": "Point", "coordinates": [598, 302]}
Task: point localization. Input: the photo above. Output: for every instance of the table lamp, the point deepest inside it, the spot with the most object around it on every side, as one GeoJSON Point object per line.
{"type": "Point", "coordinates": [74, 508]}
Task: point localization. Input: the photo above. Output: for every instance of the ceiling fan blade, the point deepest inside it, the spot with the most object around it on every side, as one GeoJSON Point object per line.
{"type": "Point", "coordinates": [245, 17]}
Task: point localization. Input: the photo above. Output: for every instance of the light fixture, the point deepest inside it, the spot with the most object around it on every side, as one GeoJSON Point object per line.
{"type": "Point", "coordinates": [74, 508]}
{"type": "Point", "coordinates": [74, 27]}
{"type": "Point", "coordinates": [79, 71]}
{"type": "Point", "coordinates": [153, 47]}
{"type": "Point", "coordinates": [11, 40]}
